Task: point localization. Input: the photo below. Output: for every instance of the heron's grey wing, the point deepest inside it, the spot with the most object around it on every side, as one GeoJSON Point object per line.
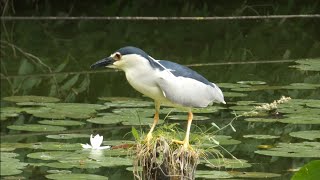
{"type": "Point", "coordinates": [184, 91]}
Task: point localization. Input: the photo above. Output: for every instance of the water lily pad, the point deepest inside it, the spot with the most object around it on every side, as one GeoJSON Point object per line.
{"type": "Point", "coordinates": [135, 103]}
{"type": "Point", "coordinates": [260, 136]}
{"type": "Point", "coordinates": [209, 174]}
{"type": "Point", "coordinates": [301, 119]}
{"type": "Point", "coordinates": [9, 112]}
{"type": "Point", "coordinates": [252, 82]}
{"type": "Point", "coordinates": [9, 168]}
{"type": "Point", "coordinates": [108, 119]}
{"type": "Point", "coordinates": [76, 176]}
{"type": "Point", "coordinates": [304, 149]}
{"type": "Point", "coordinates": [36, 128]}
{"type": "Point", "coordinates": [301, 86]}
{"type": "Point", "coordinates": [113, 161]}
{"type": "Point", "coordinates": [209, 109]}
{"type": "Point", "coordinates": [61, 122]}
{"type": "Point", "coordinates": [7, 156]}
{"type": "Point", "coordinates": [118, 99]}
{"type": "Point", "coordinates": [226, 140]}
{"type": "Point", "coordinates": [227, 163]}
{"type": "Point", "coordinates": [233, 85]}
{"type": "Point", "coordinates": [56, 146]}
{"type": "Point", "coordinates": [246, 103]}
{"type": "Point", "coordinates": [40, 99]}
{"type": "Point", "coordinates": [138, 112]}
{"type": "Point", "coordinates": [184, 117]}
{"type": "Point", "coordinates": [140, 121]}
{"type": "Point", "coordinates": [234, 94]}
{"type": "Point", "coordinates": [241, 108]}
{"type": "Point", "coordinates": [56, 171]}
{"type": "Point", "coordinates": [117, 142]}
{"type": "Point", "coordinates": [67, 136]}
{"type": "Point", "coordinates": [310, 135]}
{"type": "Point", "coordinates": [307, 65]}
{"type": "Point", "coordinates": [50, 155]}
{"type": "Point", "coordinates": [219, 140]}
{"type": "Point", "coordinates": [9, 165]}
{"type": "Point", "coordinates": [309, 171]}
{"type": "Point", "coordinates": [264, 120]}
{"type": "Point", "coordinates": [254, 174]}
{"type": "Point", "coordinates": [65, 110]}
{"type": "Point", "coordinates": [15, 145]}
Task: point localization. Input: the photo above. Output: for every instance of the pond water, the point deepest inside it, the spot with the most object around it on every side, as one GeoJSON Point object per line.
{"type": "Point", "coordinates": [40, 137]}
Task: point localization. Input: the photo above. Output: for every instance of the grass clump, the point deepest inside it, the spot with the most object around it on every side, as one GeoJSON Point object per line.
{"type": "Point", "coordinates": [161, 158]}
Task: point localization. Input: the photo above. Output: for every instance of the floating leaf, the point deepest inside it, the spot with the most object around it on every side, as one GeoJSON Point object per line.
{"type": "Point", "coordinates": [67, 136]}
{"type": "Point", "coordinates": [209, 174]}
{"type": "Point", "coordinates": [310, 135]}
{"type": "Point", "coordinates": [234, 94]}
{"type": "Point", "coordinates": [254, 174]}
{"type": "Point", "coordinates": [307, 65]}
{"type": "Point", "coordinates": [117, 142]}
{"type": "Point", "coordinates": [9, 168]}
{"type": "Point", "coordinates": [140, 121]}
{"type": "Point", "coordinates": [227, 163]}
{"type": "Point", "coordinates": [36, 128]}
{"type": "Point", "coordinates": [260, 136]}
{"type": "Point", "coordinates": [221, 139]}
{"type": "Point", "coordinates": [135, 103]}
{"type": "Point", "coordinates": [122, 99]}
{"type": "Point", "coordinates": [50, 155]}
{"type": "Point", "coordinates": [233, 85]}
{"type": "Point", "coordinates": [76, 176]}
{"type": "Point", "coordinates": [209, 109]}
{"type": "Point", "coordinates": [56, 146]}
{"type": "Point", "coordinates": [9, 165]}
{"type": "Point", "coordinates": [301, 119]}
{"type": "Point", "coordinates": [61, 122]}
{"type": "Point", "coordinates": [56, 171]}
{"type": "Point", "coordinates": [264, 120]}
{"type": "Point", "coordinates": [301, 86]}
{"type": "Point", "coordinates": [241, 108]}
{"type": "Point", "coordinates": [304, 149]}
{"type": "Point", "coordinates": [135, 112]}
{"type": "Point", "coordinates": [65, 110]}
{"type": "Point", "coordinates": [39, 99]}
{"type": "Point", "coordinates": [108, 118]}
{"type": "Point", "coordinates": [184, 117]}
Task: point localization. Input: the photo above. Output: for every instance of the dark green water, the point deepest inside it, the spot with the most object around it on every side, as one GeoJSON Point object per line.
{"type": "Point", "coordinates": [78, 44]}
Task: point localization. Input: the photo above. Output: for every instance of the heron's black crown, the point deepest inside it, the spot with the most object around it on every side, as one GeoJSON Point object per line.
{"type": "Point", "coordinates": [132, 50]}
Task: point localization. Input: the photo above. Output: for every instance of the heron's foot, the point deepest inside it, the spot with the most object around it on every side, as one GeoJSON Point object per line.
{"type": "Point", "coordinates": [185, 144]}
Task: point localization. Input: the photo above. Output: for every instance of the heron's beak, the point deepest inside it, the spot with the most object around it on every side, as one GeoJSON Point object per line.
{"type": "Point", "coordinates": [103, 63]}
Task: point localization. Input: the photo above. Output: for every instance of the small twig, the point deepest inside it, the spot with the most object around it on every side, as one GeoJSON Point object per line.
{"type": "Point", "coordinates": [153, 18]}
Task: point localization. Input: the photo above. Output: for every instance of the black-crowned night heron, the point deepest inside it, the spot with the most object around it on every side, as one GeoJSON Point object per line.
{"type": "Point", "coordinates": [165, 82]}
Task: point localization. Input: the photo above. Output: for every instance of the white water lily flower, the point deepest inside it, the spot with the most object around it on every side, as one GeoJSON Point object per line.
{"type": "Point", "coordinates": [95, 142]}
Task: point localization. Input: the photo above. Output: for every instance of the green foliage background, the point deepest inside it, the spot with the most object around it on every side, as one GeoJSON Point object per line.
{"type": "Point", "coordinates": [73, 45]}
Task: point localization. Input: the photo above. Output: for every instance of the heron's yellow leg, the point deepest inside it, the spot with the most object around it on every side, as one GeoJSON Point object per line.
{"type": "Point", "coordinates": [155, 121]}
{"type": "Point", "coordinates": [185, 142]}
